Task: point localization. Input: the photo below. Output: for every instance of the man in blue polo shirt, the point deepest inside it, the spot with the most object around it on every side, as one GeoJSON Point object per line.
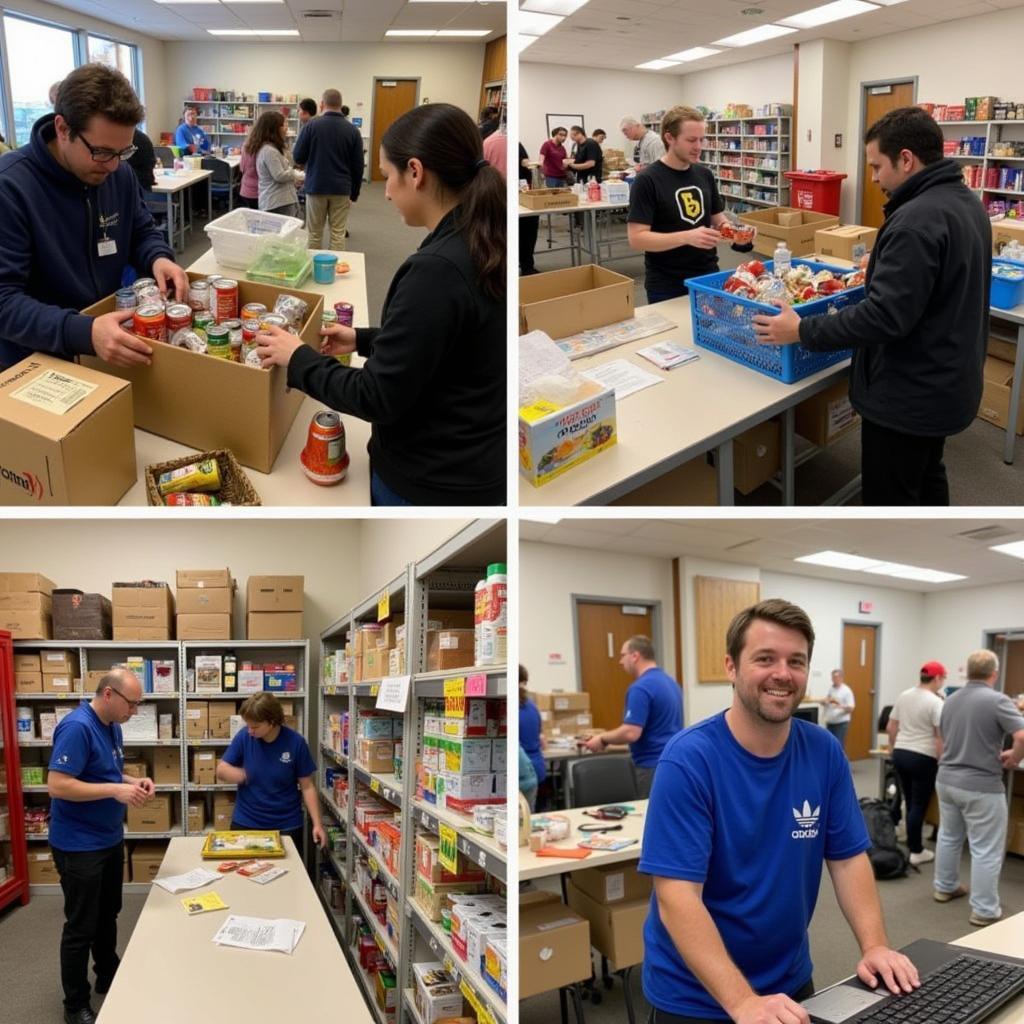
{"type": "Point", "coordinates": [747, 807]}
{"type": "Point", "coordinates": [654, 712]}
{"type": "Point", "coordinates": [88, 794]}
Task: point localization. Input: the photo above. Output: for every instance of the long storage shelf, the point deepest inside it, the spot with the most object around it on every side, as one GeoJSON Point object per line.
{"type": "Point", "coordinates": [481, 849]}
{"type": "Point", "coordinates": [379, 932]}
{"type": "Point", "coordinates": [385, 786]}
{"type": "Point", "coordinates": [376, 867]}
{"type": "Point", "coordinates": [432, 684]}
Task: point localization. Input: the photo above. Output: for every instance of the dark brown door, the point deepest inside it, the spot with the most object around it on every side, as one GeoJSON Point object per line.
{"type": "Point", "coordinates": [877, 103]}
{"type": "Point", "coordinates": [1013, 672]}
{"type": "Point", "coordinates": [601, 630]}
{"type": "Point", "coordinates": [392, 97]}
{"type": "Point", "coordinates": [859, 670]}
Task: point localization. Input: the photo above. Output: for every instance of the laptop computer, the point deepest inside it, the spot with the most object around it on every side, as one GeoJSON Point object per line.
{"type": "Point", "coordinates": [959, 985]}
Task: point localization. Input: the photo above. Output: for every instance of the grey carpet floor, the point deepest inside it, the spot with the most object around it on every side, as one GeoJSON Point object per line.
{"type": "Point", "coordinates": [974, 459]}
{"type": "Point", "coordinates": [910, 913]}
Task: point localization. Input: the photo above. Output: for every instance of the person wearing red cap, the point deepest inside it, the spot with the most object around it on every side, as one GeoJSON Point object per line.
{"type": "Point", "coordinates": [916, 744]}
{"type": "Point", "coordinates": [839, 704]}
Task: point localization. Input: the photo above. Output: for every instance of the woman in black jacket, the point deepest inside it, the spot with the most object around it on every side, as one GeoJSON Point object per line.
{"type": "Point", "coordinates": [433, 384]}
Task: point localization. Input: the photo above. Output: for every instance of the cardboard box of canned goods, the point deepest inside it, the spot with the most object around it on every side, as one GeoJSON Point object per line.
{"type": "Point", "coordinates": [226, 404]}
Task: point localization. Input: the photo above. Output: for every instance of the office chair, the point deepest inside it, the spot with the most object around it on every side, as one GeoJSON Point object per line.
{"type": "Point", "coordinates": [607, 779]}
{"type": "Point", "coordinates": [223, 183]}
{"type": "Point", "coordinates": [165, 155]}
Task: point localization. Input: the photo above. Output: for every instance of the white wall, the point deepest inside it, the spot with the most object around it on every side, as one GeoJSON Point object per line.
{"type": "Point", "coordinates": [448, 72]}
{"type": "Point", "coordinates": [768, 80]}
{"type": "Point", "coordinates": [825, 76]}
{"type": "Point", "coordinates": [551, 574]}
{"type": "Point", "coordinates": [386, 546]}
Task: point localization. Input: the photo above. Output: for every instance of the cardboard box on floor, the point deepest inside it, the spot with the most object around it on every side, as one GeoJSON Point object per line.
{"type": "Point", "coordinates": [827, 416]}
{"type": "Point", "coordinates": [41, 868]}
{"type": "Point", "coordinates": [995, 395]}
{"type": "Point", "coordinates": [693, 483]}
{"type": "Point", "coordinates": [798, 236]}
{"type": "Point", "coordinates": [563, 302]}
{"type": "Point", "coordinates": [839, 241]}
{"type": "Point", "coordinates": [616, 929]}
{"type": "Point", "coordinates": [228, 405]}
{"type": "Point", "coordinates": [756, 456]}
{"type": "Point", "coordinates": [274, 594]}
{"type": "Point", "coordinates": [554, 945]}
{"type": "Point", "coordinates": [66, 434]}
{"type": "Point", "coordinates": [146, 860]}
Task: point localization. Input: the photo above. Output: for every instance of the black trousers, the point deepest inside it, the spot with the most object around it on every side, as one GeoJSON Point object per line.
{"type": "Point", "coordinates": [901, 469]}
{"type": "Point", "coordinates": [917, 777]}
{"type": "Point", "coordinates": [91, 883]}
{"type": "Point", "coordinates": [661, 1017]}
{"type": "Point", "coordinates": [528, 228]}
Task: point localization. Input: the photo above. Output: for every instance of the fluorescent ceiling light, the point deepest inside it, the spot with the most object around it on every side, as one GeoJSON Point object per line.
{"type": "Point", "coordinates": [253, 31]}
{"type": "Point", "coordinates": [464, 32]}
{"type": "Point", "coordinates": [888, 3]}
{"type": "Point", "coordinates": [1015, 549]}
{"type": "Point", "coordinates": [562, 7]}
{"type": "Point", "coordinates": [658, 65]}
{"type": "Point", "coordinates": [533, 24]}
{"type": "Point", "coordinates": [539, 516]}
{"type": "Point", "coordinates": [913, 572]}
{"type": "Point", "coordinates": [695, 53]}
{"type": "Point", "coordinates": [838, 560]}
{"type": "Point", "coordinates": [525, 41]}
{"type": "Point", "coordinates": [754, 35]}
{"type": "Point", "coordinates": [210, 2]}
{"type": "Point", "coordinates": [421, 32]}
{"type": "Point", "coordinates": [232, 3]}
{"type": "Point", "coordinates": [829, 12]}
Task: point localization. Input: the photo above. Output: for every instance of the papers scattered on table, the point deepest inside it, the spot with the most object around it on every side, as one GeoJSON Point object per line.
{"type": "Point", "coordinates": [182, 883]}
{"type": "Point", "coordinates": [597, 339]}
{"type": "Point", "coordinates": [203, 903]}
{"type": "Point", "coordinates": [279, 935]}
{"type": "Point", "coordinates": [262, 871]}
{"type": "Point", "coordinates": [622, 375]}
{"type": "Point", "coordinates": [667, 355]}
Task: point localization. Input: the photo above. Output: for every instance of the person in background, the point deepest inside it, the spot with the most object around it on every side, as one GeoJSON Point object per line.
{"type": "Point", "coordinates": [345, 110]}
{"type": "Point", "coordinates": [307, 111]}
{"type": "Point", "coordinates": [975, 722]}
{"type": "Point", "coordinates": [331, 150]}
{"type": "Point", "coordinates": [553, 158]}
{"type": "Point", "coordinates": [189, 137]}
{"type": "Point", "coordinates": [143, 160]}
{"type": "Point", "coordinates": [916, 745]}
{"type": "Point", "coordinates": [274, 771]}
{"type": "Point", "coordinates": [531, 739]}
{"type": "Point", "coordinates": [434, 384]}
{"type": "Point", "coordinates": [649, 147]}
{"type": "Point", "coordinates": [653, 715]}
{"type": "Point", "coordinates": [54, 89]}
{"type": "Point", "coordinates": [4, 148]}
{"type": "Point", "coordinates": [249, 185]}
{"type": "Point", "coordinates": [495, 151]}
{"type": "Point", "coordinates": [88, 795]}
{"type": "Point", "coordinates": [586, 160]}
{"type": "Point", "coordinates": [490, 119]}
{"type": "Point", "coordinates": [527, 779]}
{"type": "Point", "coordinates": [839, 703]}
{"type": "Point", "coordinates": [599, 136]}
{"type": "Point", "coordinates": [528, 226]}
{"type": "Point", "coordinates": [274, 170]}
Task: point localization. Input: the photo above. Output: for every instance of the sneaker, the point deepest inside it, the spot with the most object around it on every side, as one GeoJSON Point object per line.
{"type": "Point", "coordinates": [921, 858]}
{"type": "Point", "coordinates": [945, 897]}
{"type": "Point", "coordinates": [83, 1016]}
{"type": "Point", "coordinates": [980, 922]}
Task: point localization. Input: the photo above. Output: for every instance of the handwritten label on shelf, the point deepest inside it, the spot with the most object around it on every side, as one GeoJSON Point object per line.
{"type": "Point", "coordinates": [448, 850]}
{"type": "Point", "coordinates": [455, 687]}
{"type": "Point", "coordinates": [393, 693]}
{"type": "Point", "coordinates": [373, 865]}
{"type": "Point", "coordinates": [455, 707]}
{"type": "Point", "coordinates": [375, 689]}
{"type": "Point", "coordinates": [375, 785]}
{"type": "Point", "coordinates": [384, 606]}
{"type": "Point", "coordinates": [476, 686]}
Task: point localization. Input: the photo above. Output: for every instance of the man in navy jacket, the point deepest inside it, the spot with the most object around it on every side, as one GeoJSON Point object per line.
{"type": "Point", "coordinates": [331, 150]}
{"type": "Point", "coordinates": [72, 219]}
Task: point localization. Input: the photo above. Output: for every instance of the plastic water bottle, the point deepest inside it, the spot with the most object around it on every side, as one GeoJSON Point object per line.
{"type": "Point", "coordinates": [782, 260]}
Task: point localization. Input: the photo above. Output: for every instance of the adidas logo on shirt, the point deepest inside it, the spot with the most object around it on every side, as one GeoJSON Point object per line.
{"type": "Point", "coordinates": [807, 820]}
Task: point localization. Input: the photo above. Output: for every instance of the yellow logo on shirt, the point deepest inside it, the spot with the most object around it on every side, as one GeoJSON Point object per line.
{"type": "Point", "coordinates": [690, 201]}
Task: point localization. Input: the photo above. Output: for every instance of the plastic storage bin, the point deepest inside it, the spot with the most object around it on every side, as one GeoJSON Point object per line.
{"type": "Point", "coordinates": [237, 235]}
{"type": "Point", "coordinates": [816, 190]}
{"type": "Point", "coordinates": [723, 323]}
{"type": "Point", "coordinates": [1007, 284]}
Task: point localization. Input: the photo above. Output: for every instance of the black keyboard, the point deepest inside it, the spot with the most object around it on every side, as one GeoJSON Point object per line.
{"type": "Point", "coordinates": [962, 991]}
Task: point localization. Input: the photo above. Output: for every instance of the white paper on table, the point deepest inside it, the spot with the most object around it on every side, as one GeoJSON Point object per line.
{"type": "Point", "coordinates": [622, 375]}
{"type": "Point", "coordinates": [279, 935]}
{"type": "Point", "coordinates": [539, 357]}
{"type": "Point", "coordinates": [194, 879]}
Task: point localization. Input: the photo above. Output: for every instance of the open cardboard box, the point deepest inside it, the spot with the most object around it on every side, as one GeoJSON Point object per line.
{"type": "Point", "coordinates": [995, 395]}
{"type": "Point", "coordinates": [563, 302]}
{"type": "Point", "coordinates": [548, 198]}
{"type": "Point", "coordinates": [208, 403]}
{"type": "Point", "coordinates": [773, 226]}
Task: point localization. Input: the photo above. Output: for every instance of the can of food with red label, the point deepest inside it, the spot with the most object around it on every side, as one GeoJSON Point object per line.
{"type": "Point", "coordinates": [324, 459]}
{"type": "Point", "coordinates": [345, 313]}
{"type": "Point", "coordinates": [178, 316]}
{"type": "Point", "coordinates": [150, 321]}
{"type": "Point", "coordinates": [125, 298]}
{"type": "Point", "coordinates": [235, 332]}
{"type": "Point", "coordinates": [199, 295]}
{"type": "Point", "coordinates": [225, 299]}
{"type": "Point", "coordinates": [218, 341]}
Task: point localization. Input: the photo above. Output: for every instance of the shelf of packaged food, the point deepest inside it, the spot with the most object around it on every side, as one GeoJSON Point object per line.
{"type": "Point", "coordinates": [336, 864]}
{"type": "Point", "coordinates": [366, 687]}
{"type": "Point", "coordinates": [431, 684]}
{"type": "Point", "coordinates": [330, 752]}
{"type": "Point", "coordinates": [965, 156]}
{"type": "Point", "coordinates": [1008, 159]}
{"type": "Point", "coordinates": [379, 931]}
{"type": "Point", "coordinates": [409, 998]}
{"type": "Point", "coordinates": [37, 836]}
{"type": "Point", "coordinates": [1003, 191]}
{"type": "Point", "coordinates": [335, 917]}
{"type": "Point", "coordinates": [441, 946]}
{"type": "Point", "coordinates": [220, 695]}
{"type": "Point", "coordinates": [34, 743]}
{"type": "Point", "coordinates": [328, 799]}
{"type": "Point", "coordinates": [762, 152]}
{"type": "Point", "coordinates": [376, 867]}
{"type": "Point", "coordinates": [19, 697]}
{"type": "Point", "coordinates": [764, 184]}
{"type": "Point", "coordinates": [480, 848]}
{"type": "Point", "coordinates": [386, 786]}
{"type": "Point", "coordinates": [331, 690]}
{"type": "Point", "coordinates": [368, 987]}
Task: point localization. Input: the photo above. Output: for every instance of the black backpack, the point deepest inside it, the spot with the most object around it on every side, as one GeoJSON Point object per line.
{"type": "Point", "coordinates": [887, 858]}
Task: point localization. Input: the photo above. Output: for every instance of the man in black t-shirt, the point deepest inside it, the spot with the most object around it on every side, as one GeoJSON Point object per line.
{"type": "Point", "coordinates": [587, 158]}
{"type": "Point", "coordinates": [675, 210]}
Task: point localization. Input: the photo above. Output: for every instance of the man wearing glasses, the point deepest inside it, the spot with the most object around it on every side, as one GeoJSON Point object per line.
{"type": "Point", "coordinates": [88, 794]}
{"type": "Point", "coordinates": [72, 221]}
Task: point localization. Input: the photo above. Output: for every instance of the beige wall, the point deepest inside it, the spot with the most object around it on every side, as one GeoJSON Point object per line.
{"type": "Point", "coordinates": [386, 546]}
{"type": "Point", "coordinates": [768, 80]}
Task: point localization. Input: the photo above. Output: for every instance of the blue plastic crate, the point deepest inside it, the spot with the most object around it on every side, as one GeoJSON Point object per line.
{"type": "Point", "coordinates": [723, 323]}
{"type": "Point", "coordinates": [1006, 293]}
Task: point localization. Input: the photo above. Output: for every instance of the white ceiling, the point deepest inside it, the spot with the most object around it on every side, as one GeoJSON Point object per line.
{"type": "Point", "coordinates": [623, 33]}
{"type": "Point", "coordinates": [772, 544]}
{"type": "Point", "coordinates": [349, 21]}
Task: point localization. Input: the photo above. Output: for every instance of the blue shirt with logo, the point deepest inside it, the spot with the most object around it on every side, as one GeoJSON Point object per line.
{"type": "Point", "coordinates": [88, 750]}
{"type": "Point", "coordinates": [655, 703]}
{"type": "Point", "coordinates": [755, 831]}
{"type": "Point", "coordinates": [270, 798]}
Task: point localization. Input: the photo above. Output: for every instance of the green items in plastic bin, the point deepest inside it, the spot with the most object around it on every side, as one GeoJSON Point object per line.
{"type": "Point", "coordinates": [281, 263]}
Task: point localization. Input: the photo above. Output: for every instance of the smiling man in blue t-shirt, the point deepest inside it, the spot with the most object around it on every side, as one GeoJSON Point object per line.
{"type": "Point", "coordinates": [653, 715]}
{"type": "Point", "coordinates": [747, 807]}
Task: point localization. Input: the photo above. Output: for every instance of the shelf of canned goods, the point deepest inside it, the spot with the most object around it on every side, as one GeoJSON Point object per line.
{"type": "Point", "coordinates": [409, 838]}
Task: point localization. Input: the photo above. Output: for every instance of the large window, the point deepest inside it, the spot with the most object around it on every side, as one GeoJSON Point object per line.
{"type": "Point", "coordinates": [38, 55]}
{"type": "Point", "coordinates": [119, 56]}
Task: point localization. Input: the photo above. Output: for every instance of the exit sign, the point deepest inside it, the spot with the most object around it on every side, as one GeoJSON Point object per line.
{"type": "Point", "coordinates": [866, 607]}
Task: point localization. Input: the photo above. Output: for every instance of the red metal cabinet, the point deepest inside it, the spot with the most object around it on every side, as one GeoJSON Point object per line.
{"type": "Point", "coordinates": [14, 886]}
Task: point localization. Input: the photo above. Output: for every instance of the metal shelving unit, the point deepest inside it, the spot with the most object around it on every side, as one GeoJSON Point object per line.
{"type": "Point", "coordinates": [995, 134]}
{"type": "Point", "coordinates": [214, 115]}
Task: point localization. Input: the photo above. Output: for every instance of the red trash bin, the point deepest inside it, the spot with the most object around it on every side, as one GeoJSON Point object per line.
{"type": "Point", "coordinates": [815, 190]}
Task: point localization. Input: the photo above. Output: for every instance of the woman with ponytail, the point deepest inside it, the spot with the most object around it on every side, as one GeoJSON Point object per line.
{"type": "Point", "coordinates": [433, 383]}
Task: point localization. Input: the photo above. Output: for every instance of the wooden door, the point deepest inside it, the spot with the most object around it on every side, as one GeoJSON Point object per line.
{"type": "Point", "coordinates": [1013, 670]}
{"type": "Point", "coordinates": [601, 630]}
{"type": "Point", "coordinates": [900, 94]}
{"type": "Point", "coordinates": [392, 97]}
{"type": "Point", "coordinates": [859, 670]}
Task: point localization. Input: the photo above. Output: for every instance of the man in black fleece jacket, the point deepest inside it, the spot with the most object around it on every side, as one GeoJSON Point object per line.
{"type": "Point", "coordinates": [919, 337]}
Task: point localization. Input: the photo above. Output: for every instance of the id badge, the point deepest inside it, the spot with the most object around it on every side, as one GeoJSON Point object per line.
{"type": "Point", "coordinates": [106, 247]}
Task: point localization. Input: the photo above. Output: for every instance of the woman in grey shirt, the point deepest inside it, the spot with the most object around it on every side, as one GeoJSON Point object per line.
{"type": "Point", "coordinates": [274, 167]}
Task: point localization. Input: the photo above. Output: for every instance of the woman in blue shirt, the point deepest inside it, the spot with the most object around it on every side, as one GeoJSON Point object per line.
{"type": "Point", "coordinates": [271, 765]}
{"type": "Point", "coordinates": [530, 738]}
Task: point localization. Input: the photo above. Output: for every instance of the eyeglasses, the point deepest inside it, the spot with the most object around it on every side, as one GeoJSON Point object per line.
{"type": "Point", "coordinates": [102, 155]}
{"type": "Point", "coordinates": [131, 703]}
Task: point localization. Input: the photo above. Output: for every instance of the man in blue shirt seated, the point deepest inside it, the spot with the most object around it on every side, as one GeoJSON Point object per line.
{"type": "Point", "coordinates": [189, 137]}
{"type": "Point", "coordinates": [88, 794]}
{"type": "Point", "coordinates": [653, 715]}
{"type": "Point", "coordinates": [747, 807]}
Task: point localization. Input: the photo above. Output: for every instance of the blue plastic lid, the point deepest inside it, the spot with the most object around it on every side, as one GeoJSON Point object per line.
{"type": "Point", "coordinates": [325, 257]}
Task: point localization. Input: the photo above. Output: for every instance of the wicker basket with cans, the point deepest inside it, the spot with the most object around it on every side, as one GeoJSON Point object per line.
{"type": "Point", "coordinates": [207, 478]}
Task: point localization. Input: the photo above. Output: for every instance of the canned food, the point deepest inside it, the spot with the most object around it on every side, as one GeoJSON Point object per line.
{"type": "Point", "coordinates": [192, 499]}
{"type": "Point", "coordinates": [218, 341]}
{"type": "Point", "coordinates": [198, 476]}
{"type": "Point", "coordinates": [179, 316]}
{"type": "Point", "coordinates": [292, 308]}
{"type": "Point", "coordinates": [273, 320]}
{"type": "Point", "coordinates": [249, 329]}
{"type": "Point", "coordinates": [149, 294]}
{"type": "Point", "coordinates": [225, 299]}
{"type": "Point", "coordinates": [253, 311]}
{"type": "Point", "coordinates": [324, 459]}
{"type": "Point", "coordinates": [235, 331]}
{"type": "Point", "coordinates": [150, 321]}
{"type": "Point", "coordinates": [199, 295]}
{"type": "Point", "coordinates": [250, 356]}
{"type": "Point", "coordinates": [190, 338]}
{"type": "Point", "coordinates": [346, 313]}
{"type": "Point", "coordinates": [142, 283]}
{"type": "Point", "coordinates": [202, 321]}
{"type": "Point", "coordinates": [329, 317]}
{"type": "Point", "coordinates": [125, 298]}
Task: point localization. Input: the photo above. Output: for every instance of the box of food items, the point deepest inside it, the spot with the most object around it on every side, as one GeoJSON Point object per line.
{"type": "Point", "coordinates": [205, 387]}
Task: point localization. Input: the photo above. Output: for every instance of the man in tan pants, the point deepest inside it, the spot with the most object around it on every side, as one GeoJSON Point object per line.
{"type": "Point", "coordinates": [330, 149]}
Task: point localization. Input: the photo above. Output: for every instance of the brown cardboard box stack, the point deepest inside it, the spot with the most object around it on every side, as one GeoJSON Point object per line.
{"type": "Point", "coordinates": [205, 603]}
{"type": "Point", "coordinates": [41, 868]}
{"type": "Point", "coordinates": [449, 648]}
{"type": "Point", "coordinates": [827, 416]}
{"type": "Point", "coordinates": [840, 241]}
{"type": "Point", "coordinates": [26, 605]}
{"type": "Point", "coordinates": [197, 719]}
{"type": "Point", "coordinates": [143, 610]}
{"type": "Point", "coordinates": [554, 944]}
{"type": "Point", "coordinates": [615, 900]}
{"type": "Point", "coordinates": [78, 616]}
{"type": "Point", "coordinates": [273, 606]}
{"type": "Point", "coordinates": [563, 714]}
{"type": "Point", "coordinates": [167, 766]}
{"type": "Point", "coordinates": [146, 859]}
{"type": "Point", "coordinates": [204, 767]}
{"type": "Point", "coordinates": [796, 228]}
{"type": "Point", "coordinates": [156, 815]}
{"type": "Point", "coordinates": [60, 672]}
{"type": "Point", "coordinates": [28, 673]}
{"type": "Point", "coordinates": [223, 809]}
